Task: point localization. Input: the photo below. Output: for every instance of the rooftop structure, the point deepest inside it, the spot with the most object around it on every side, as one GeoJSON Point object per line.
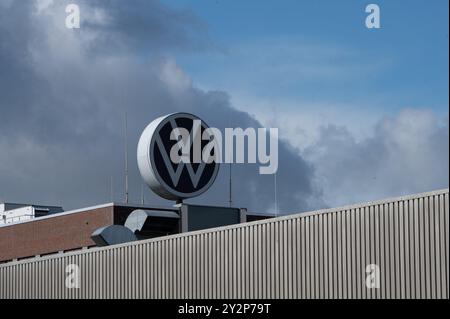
{"type": "Point", "coordinates": [13, 212]}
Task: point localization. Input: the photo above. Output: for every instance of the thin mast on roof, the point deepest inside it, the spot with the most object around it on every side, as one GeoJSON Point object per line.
{"type": "Point", "coordinates": [230, 200]}
{"type": "Point", "coordinates": [126, 158]}
{"type": "Point", "coordinates": [112, 188]}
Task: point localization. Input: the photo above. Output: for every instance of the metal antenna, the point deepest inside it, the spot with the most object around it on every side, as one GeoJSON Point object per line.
{"type": "Point", "coordinates": [142, 194]}
{"type": "Point", "coordinates": [275, 184]}
{"type": "Point", "coordinates": [230, 200]}
{"type": "Point", "coordinates": [231, 192]}
{"type": "Point", "coordinates": [126, 158]}
{"type": "Point", "coordinates": [112, 189]}
{"type": "Point", "coordinates": [276, 197]}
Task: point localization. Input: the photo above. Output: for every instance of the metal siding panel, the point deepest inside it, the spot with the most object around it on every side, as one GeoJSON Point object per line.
{"type": "Point", "coordinates": [311, 256]}
{"type": "Point", "coordinates": [358, 254]}
{"type": "Point", "coordinates": [165, 267]}
{"type": "Point", "coordinates": [320, 258]}
{"type": "Point", "coordinates": [392, 269]}
{"type": "Point", "coordinates": [240, 262]}
{"type": "Point", "coordinates": [396, 250]}
{"type": "Point", "coordinates": [204, 264]}
{"type": "Point", "coordinates": [378, 248]}
{"type": "Point", "coordinates": [401, 251]}
{"type": "Point", "coordinates": [124, 272]}
{"type": "Point", "coordinates": [335, 289]}
{"type": "Point", "coordinates": [434, 258]}
{"type": "Point", "coordinates": [27, 281]}
{"type": "Point", "coordinates": [315, 267]}
{"type": "Point", "coordinates": [339, 272]}
{"type": "Point", "coordinates": [412, 257]}
{"type": "Point", "coordinates": [446, 214]}
{"type": "Point", "coordinates": [264, 241]}
{"type": "Point", "coordinates": [344, 243]}
{"type": "Point", "coordinates": [364, 254]}
{"type": "Point", "coordinates": [422, 235]}
{"type": "Point", "coordinates": [417, 250]}
{"type": "Point", "coordinates": [291, 278]}
{"type": "Point", "coordinates": [245, 262]}
{"type": "Point", "coordinates": [142, 271]}
{"type": "Point", "coordinates": [184, 268]}
{"type": "Point", "coordinates": [297, 268]}
{"type": "Point", "coordinates": [307, 258]}
{"type": "Point", "coordinates": [278, 266]}
{"type": "Point", "coordinates": [406, 225]}
{"type": "Point", "coordinates": [422, 268]}
{"type": "Point", "coordinates": [426, 230]}
{"type": "Point", "coordinates": [264, 264]}
{"type": "Point", "coordinates": [226, 261]}
{"type": "Point", "coordinates": [368, 245]}
{"type": "Point", "coordinates": [350, 252]}
{"type": "Point", "coordinates": [438, 251]}
{"type": "Point", "coordinates": [385, 252]}
{"type": "Point", "coordinates": [115, 274]}
{"type": "Point", "coordinates": [353, 254]}
{"type": "Point", "coordinates": [326, 256]}
{"type": "Point", "coordinates": [251, 262]}
{"type": "Point", "coordinates": [178, 268]}
{"type": "Point", "coordinates": [194, 265]}
{"type": "Point", "coordinates": [303, 257]}
{"type": "Point", "coordinates": [443, 248]}
{"type": "Point", "coordinates": [286, 256]}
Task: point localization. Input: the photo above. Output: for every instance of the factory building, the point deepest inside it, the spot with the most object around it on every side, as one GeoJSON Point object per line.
{"type": "Point", "coordinates": [12, 212]}
{"type": "Point", "coordinates": [39, 231]}
{"type": "Point", "coordinates": [392, 248]}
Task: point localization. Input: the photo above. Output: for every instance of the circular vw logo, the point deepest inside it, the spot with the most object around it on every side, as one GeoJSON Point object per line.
{"type": "Point", "coordinates": [171, 156]}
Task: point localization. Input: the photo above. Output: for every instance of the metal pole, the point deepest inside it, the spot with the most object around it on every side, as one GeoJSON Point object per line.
{"type": "Point", "coordinates": [276, 197]}
{"type": "Point", "coordinates": [231, 194]}
{"type": "Point", "coordinates": [126, 158]}
{"type": "Point", "coordinates": [112, 189]}
{"type": "Point", "coordinates": [230, 168]}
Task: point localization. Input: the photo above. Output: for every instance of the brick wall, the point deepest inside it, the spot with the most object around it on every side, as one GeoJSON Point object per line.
{"type": "Point", "coordinates": [51, 235]}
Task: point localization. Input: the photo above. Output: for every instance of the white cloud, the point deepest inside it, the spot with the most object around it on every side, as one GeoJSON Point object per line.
{"type": "Point", "coordinates": [42, 6]}
{"type": "Point", "coordinates": [70, 95]}
{"type": "Point", "coordinates": [175, 78]}
{"type": "Point", "coordinates": [300, 122]}
{"type": "Point", "coordinates": [407, 153]}
{"type": "Point", "coordinates": [69, 90]}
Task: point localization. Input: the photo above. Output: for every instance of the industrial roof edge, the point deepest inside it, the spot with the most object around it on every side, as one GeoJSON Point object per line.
{"type": "Point", "coordinates": [27, 204]}
{"type": "Point", "coordinates": [230, 227]}
{"type": "Point", "coordinates": [85, 209]}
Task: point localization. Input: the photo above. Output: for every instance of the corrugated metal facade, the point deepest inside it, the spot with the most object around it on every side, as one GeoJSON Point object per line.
{"type": "Point", "coordinates": [322, 254]}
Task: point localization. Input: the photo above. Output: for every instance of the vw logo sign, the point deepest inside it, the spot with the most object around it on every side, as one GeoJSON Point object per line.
{"type": "Point", "coordinates": [168, 178]}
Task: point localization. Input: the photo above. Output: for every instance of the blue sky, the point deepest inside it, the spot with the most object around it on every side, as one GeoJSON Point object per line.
{"type": "Point", "coordinates": [321, 52]}
{"type": "Point", "coordinates": [373, 101]}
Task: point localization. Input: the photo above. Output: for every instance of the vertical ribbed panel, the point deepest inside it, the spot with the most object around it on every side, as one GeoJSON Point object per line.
{"type": "Point", "coordinates": [316, 255]}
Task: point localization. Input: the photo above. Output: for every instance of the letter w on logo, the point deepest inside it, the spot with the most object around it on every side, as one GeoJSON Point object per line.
{"type": "Point", "coordinates": [176, 173]}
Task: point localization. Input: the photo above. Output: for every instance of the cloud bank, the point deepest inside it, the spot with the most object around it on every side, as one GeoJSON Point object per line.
{"type": "Point", "coordinates": [407, 153]}
{"type": "Point", "coordinates": [64, 94]}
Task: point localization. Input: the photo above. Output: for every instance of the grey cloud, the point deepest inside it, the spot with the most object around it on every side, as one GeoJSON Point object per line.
{"type": "Point", "coordinates": [406, 154]}
{"type": "Point", "coordinates": [64, 94]}
{"type": "Point", "coordinates": [63, 100]}
{"type": "Point", "coordinates": [145, 25]}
